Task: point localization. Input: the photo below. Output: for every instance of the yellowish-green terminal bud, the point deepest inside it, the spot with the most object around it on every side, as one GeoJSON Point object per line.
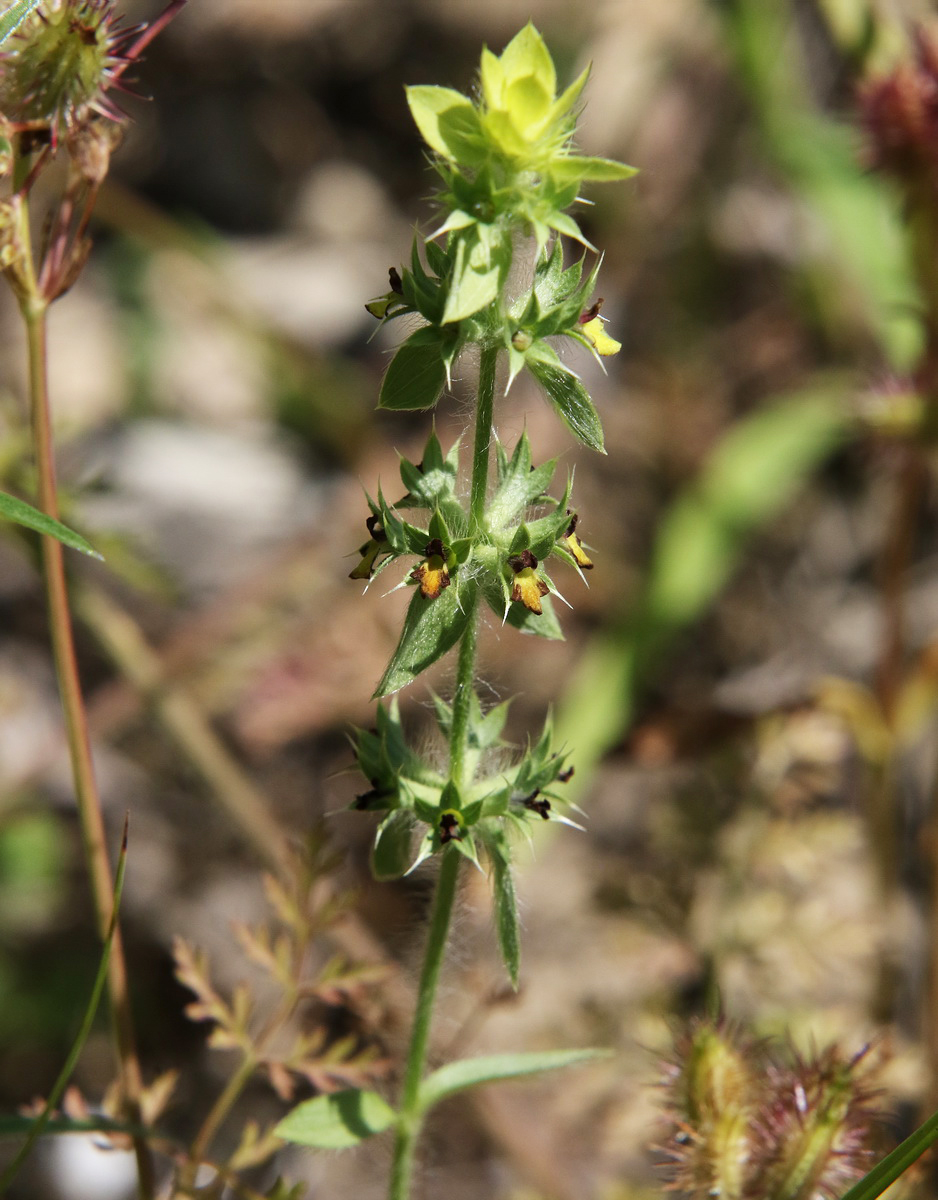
{"type": "Point", "coordinates": [522, 113]}
{"type": "Point", "coordinates": [56, 65]}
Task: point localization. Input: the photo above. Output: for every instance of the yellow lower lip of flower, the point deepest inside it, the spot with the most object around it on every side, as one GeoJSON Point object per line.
{"type": "Point", "coordinates": [572, 542]}
{"type": "Point", "coordinates": [528, 589]}
{"type": "Point", "coordinates": [433, 577]}
{"type": "Point", "coordinates": [601, 341]}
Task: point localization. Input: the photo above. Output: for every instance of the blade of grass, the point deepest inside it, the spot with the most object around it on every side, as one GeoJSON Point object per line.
{"type": "Point", "coordinates": [40, 1123]}
{"type": "Point", "coordinates": [885, 1173]}
{"type": "Point", "coordinates": [22, 513]}
{"type": "Point", "coordinates": [13, 15]}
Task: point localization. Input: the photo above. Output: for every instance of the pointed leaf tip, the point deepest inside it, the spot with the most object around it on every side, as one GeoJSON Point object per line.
{"type": "Point", "coordinates": [21, 513]}
{"type": "Point", "coordinates": [337, 1121]}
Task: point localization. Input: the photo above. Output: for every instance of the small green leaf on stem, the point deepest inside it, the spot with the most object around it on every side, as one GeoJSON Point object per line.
{"type": "Point", "coordinates": [470, 1072]}
{"type": "Point", "coordinates": [448, 123]}
{"type": "Point", "coordinates": [390, 856]}
{"type": "Point", "coordinates": [417, 373]}
{"type": "Point", "coordinates": [337, 1121]}
{"type": "Point", "coordinates": [22, 513]}
{"type": "Point", "coordinates": [596, 170]}
{"type": "Point", "coordinates": [431, 627]}
{"type": "Point", "coordinates": [506, 908]}
{"type": "Point", "coordinates": [569, 398]}
{"type": "Point", "coordinates": [481, 266]}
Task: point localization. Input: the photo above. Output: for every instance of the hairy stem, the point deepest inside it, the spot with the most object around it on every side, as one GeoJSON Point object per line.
{"type": "Point", "coordinates": [483, 436]}
{"type": "Point", "coordinates": [86, 790]}
{"type": "Point", "coordinates": [409, 1119]}
{"type": "Point", "coordinates": [462, 698]}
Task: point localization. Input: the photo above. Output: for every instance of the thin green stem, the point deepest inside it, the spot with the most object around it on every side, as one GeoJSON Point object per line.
{"type": "Point", "coordinates": [462, 698]}
{"type": "Point", "coordinates": [225, 1101]}
{"type": "Point", "coordinates": [409, 1119]}
{"type": "Point", "coordinates": [483, 435]}
{"type": "Point", "coordinates": [86, 790]}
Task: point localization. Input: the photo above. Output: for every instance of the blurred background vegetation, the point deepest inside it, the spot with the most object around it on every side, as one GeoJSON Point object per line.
{"type": "Point", "coordinates": [750, 683]}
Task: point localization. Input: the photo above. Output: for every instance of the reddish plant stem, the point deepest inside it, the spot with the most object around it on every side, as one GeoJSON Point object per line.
{"type": "Point", "coordinates": [79, 744]}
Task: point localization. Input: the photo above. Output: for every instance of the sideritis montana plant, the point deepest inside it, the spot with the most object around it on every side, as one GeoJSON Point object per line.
{"type": "Point", "coordinates": [476, 525]}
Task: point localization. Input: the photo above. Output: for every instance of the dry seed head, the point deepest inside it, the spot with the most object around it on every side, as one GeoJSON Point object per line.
{"type": "Point", "coordinates": [814, 1127]}
{"type": "Point", "coordinates": [59, 64]}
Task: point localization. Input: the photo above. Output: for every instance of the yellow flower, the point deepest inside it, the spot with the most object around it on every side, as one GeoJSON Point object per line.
{"type": "Point", "coordinates": [433, 573]}
{"type": "Point", "coordinates": [591, 326]}
{"type": "Point", "coordinates": [528, 586]}
{"type": "Point", "coordinates": [572, 542]}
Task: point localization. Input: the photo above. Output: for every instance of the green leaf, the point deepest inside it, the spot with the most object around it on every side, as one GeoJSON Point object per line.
{"type": "Point", "coordinates": [22, 513]}
{"type": "Point", "coordinates": [13, 16]}
{"type": "Point", "coordinates": [417, 374]}
{"type": "Point", "coordinates": [566, 225]}
{"type": "Point", "coordinates": [506, 907]}
{"type": "Point", "coordinates": [390, 855]}
{"type": "Point", "coordinates": [543, 624]}
{"type": "Point", "coordinates": [875, 1182]}
{"type": "Point", "coordinates": [518, 486]}
{"type": "Point", "coordinates": [593, 170]}
{"type": "Point", "coordinates": [543, 533]}
{"type": "Point", "coordinates": [569, 398]}
{"type": "Point", "coordinates": [448, 123]}
{"type": "Point", "coordinates": [476, 278]}
{"type": "Point", "coordinates": [527, 55]}
{"type": "Point", "coordinates": [570, 95]}
{"type": "Point", "coordinates": [470, 1072]}
{"type": "Point", "coordinates": [337, 1121]}
{"type": "Point", "coordinates": [527, 103]}
{"type": "Point", "coordinates": [431, 627]}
